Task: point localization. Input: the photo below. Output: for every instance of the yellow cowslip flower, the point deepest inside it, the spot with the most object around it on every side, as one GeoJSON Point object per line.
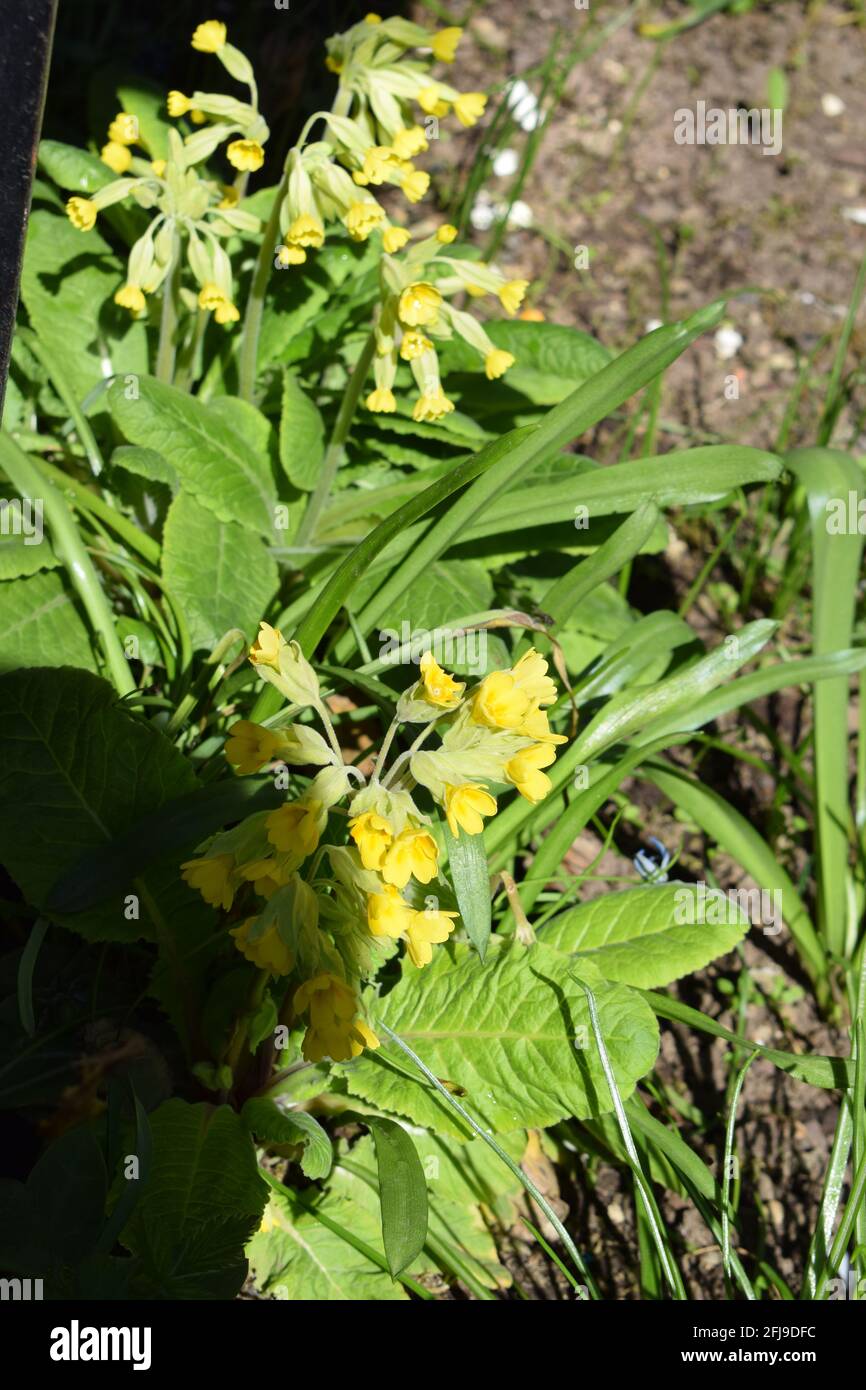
{"type": "Point", "coordinates": [381, 401]}
{"type": "Point", "coordinates": [380, 161]}
{"type": "Point", "coordinates": [465, 806]}
{"type": "Point", "coordinates": [124, 129]}
{"type": "Point", "coordinates": [214, 878]}
{"type": "Point", "coordinates": [226, 312]}
{"type": "Point", "coordinates": [425, 929]}
{"type": "Point", "coordinates": [413, 345]}
{"type": "Point", "coordinates": [432, 103]}
{"type": "Point", "coordinates": [469, 107]}
{"type": "Point", "coordinates": [177, 104]}
{"type": "Point", "coordinates": [306, 230]}
{"type": "Point", "coordinates": [415, 185]}
{"type": "Point", "coordinates": [131, 297]}
{"type": "Point", "coordinates": [511, 295]}
{"type": "Point", "coordinates": [268, 951]}
{"type": "Point", "coordinates": [499, 702]}
{"type": "Point", "coordinates": [246, 155]}
{"type": "Point", "coordinates": [524, 770]}
{"type": "Point", "coordinates": [414, 854]}
{"type": "Point", "coordinates": [296, 826]}
{"type": "Point", "coordinates": [334, 1030]}
{"type": "Point", "coordinates": [210, 296]}
{"type": "Point", "coordinates": [372, 18]}
{"type": "Point", "coordinates": [497, 362]}
{"type": "Point", "coordinates": [209, 37]}
{"type": "Point", "coordinates": [362, 219]}
{"type": "Point", "coordinates": [394, 239]}
{"type": "Point", "coordinates": [249, 746]}
{"type": "Point", "coordinates": [197, 117]}
{"type": "Point", "coordinates": [409, 141]}
{"type": "Point", "coordinates": [158, 167]}
{"type": "Point", "coordinates": [118, 157]}
{"type": "Point", "coordinates": [81, 213]}
{"type": "Point", "coordinates": [266, 649]}
{"type": "Point", "coordinates": [445, 43]}
{"type": "Point", "coordinates": [419, 304]}
{"type": "Point", "coordinates": [291, 255]}
{"type": "Point", "coordinates": [388, 914]}
{"type": "Point", "coordinates": [440, 688]}
{"type": "Point", "coordinates": [446, 234]}
{"type": "Point", "coordinates": [372, 834]}
{"type": "Point", "coordinates": [535, 726]}
{"type": "Point", "coordinates": [333, 64]}
{"type": "Point", "coordinates": [231, 197]}
{"type": "Point", "coordinates": [530, 676]}
{"type": "Point", "coordinates": [432, 405]}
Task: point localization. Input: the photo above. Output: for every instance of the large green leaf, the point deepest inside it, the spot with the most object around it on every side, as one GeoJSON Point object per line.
{"type": "Point", "coordinates": [67, 284]}
{"type": "Point", "coordinates": [19, 557]}
{"type": "Point", "coordinates": [513, 1034]}
{"type": "Point", "coordinates": [302, 435]}
{"type": "Point", "coordinates": [215, 462]}
{"type": "Point", "coordinates": [76, 769]}
{"type": "Point", "coordinates": [648, 936]}
{"type": "Point", "coordinates": [222, 574]}
{"type": "Point", "coordinates": [202, 1202]}
{"type": "Point", "coordinates": [40, 625]}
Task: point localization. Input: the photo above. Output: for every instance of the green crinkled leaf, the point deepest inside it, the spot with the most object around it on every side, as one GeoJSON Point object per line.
{"type": "Point", "coordinates": [635, 937]}
{"type": "Point", "coordinates": [40, 625]}
{"type": "Point", "coordinates": [214, 462]}
{"type": "Point", "coordinates": [202, 1201]}
{"type": "Point", "coordinates": [503, 1033]}
{"type": "Point", "coordinates": [271, 1124]}
{"type": "Point", "coordinates": [222, 574]}
{"type": "Point", "coordinates": [302, 435]}
{"type": "Point", "coordinates": [76, 770]}
{"type": "Point", "coordinates": [146, 463]}
{"type": "Point", "coordinates": [20, 557]}
{"type": "Point", "coordinates": [68, 282]}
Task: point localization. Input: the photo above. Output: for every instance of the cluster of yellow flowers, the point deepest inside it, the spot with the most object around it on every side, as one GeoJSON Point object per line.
{"type": "Point", "coordinates": [198, 213]}
{"type": "Point", "coordinates": [370, 138]}
{"type": "Point", "coordinates": [330, 926]}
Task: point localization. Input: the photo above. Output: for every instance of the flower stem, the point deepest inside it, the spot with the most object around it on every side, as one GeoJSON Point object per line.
{"type": "Point", "coordinates": [168, 320]}
{"type": "Point", "coordinates": [334, 452]}
{"type": "Point", "coordinates": [256, 298]}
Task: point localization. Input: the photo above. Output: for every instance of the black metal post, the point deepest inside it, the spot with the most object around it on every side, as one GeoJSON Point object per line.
{"type": "Point", "coordinates": [26, 30]}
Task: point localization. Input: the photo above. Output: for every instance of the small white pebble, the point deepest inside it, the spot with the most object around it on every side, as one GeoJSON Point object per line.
{"type": "Point", "coordinates": [523, 105]}
{"type": "Point", "coordinates": [806, 297]}
{"type": "Point", "coordinates": [728, 342]}
{"type": "Point", "coordinates": [832, 105]}
{"type": "Point", "coordinates": [482, 214]}
{"type": "Point", "coordinates": [857, 215]}
{"type": "Point", "coordinates": [505, 164]}
{"type": "Point", "coordinates": [652, 325]}
{"type": "Point", "coordinates": [521, 214]}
